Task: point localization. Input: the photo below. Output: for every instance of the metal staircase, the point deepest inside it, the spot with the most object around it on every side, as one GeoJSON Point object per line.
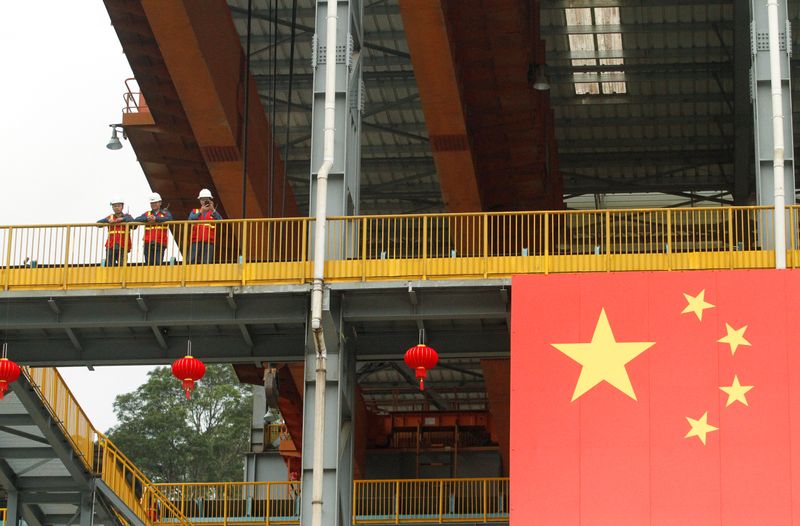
{"type": "Point", "coordinates": [57, 469]}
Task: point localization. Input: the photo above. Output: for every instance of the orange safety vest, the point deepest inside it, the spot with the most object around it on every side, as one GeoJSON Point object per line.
{"type": "Point", "coordinates": [155, 233]}
{"type": "Point", "coordinates": [116, 235]}
{"type": "Point", "coordinates": [203, 233]}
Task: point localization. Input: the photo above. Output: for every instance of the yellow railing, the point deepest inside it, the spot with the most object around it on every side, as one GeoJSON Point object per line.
{"type": "Point", "coordinates": [246, 503]}
{"type": "Point", "coordinates": [2, 516]}
{"type": "Point", "coordinates": [275, 434]}
{"type": "Point", "coordinates": [466, 246]}
{"type": "Point", "coordinates": [430, 500]}
{"type": "Point", "coordinates": [98, 453]}
{"type": "Point", "coordinates": [69, 415]}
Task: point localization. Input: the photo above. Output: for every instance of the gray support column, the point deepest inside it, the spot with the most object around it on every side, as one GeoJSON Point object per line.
{"type": "Point", "coordinates": [338, 439]}
{"type": "Point", "coordinates": [12, 508]}
{"type": "Point", "coordinates": [762, 104]}
{"type": "Point", "coordinates": [742, 105]}
{"type": "Point", "coordinates": [343, 181]}
{"type": "Point", "coordinates": [87, 510]}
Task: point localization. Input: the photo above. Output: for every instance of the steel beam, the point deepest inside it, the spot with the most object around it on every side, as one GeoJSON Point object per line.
{"type": "Point", "coordinates": [743, 109]}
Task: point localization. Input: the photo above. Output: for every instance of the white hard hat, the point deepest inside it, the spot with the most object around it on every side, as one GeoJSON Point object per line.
{"type": "Point", "coordinates": [205, 192]}
{"type": "Point", "coordinates": [117, 200]}
{"type": "Point", "coordinates": [155, 197]}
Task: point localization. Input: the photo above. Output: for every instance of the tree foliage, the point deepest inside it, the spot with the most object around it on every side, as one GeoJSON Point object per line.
{"type": "Point", "coordinates": [175, 440]}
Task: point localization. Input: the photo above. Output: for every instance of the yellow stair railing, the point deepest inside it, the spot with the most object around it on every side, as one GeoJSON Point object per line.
{"type": "Point", "coordinates": [2, 516]}
{"type": "Point", "coordinates": [396, 247]}
{"type": "Point", "coordinates": [246, 503]}
{"type": "Point", "coordinates": [473, 500]}
{"type": "Point", "coordinates": [99, 454]}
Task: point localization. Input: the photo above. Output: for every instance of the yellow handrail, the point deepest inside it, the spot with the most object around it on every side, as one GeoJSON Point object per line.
{"type": "Point", "coordinates": [392, 247]}
{"type": "Point", "coordinates": [70, 417]}
{"type": "Point", "coordinates": [473, 500]}
{"type": "Point", "coordinates": [2, 516]}
{"type": "Point", "coordinates": [219, 503]}
{"type": "Point", "coordinates": [98, 453]}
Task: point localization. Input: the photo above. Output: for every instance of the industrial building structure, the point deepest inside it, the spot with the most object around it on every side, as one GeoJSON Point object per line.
{"type": "Point", "coordinates": [391, 198]}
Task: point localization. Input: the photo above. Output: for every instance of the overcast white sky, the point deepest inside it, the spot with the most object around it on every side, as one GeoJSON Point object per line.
{"type": "Point", "coordinates": [63, 75]}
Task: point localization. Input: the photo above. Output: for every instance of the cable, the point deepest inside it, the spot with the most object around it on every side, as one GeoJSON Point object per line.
{"type": "Point", "coordinates": [289, 109]}
{"type": "Point", "coordinates": [246, 77]}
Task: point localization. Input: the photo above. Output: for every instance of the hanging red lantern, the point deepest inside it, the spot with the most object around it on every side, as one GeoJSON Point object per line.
{"type": "Point", "coordinates": [9, 372]}
{"type": "Point", "coordinates": [188, 370]}
{"type": "Point", "coordinates": [421, 358]}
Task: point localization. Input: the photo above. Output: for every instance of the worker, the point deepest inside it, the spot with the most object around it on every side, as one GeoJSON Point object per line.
{"type": "Point", "coordinates": [117, 234]}
{"type": "Point", "coordinates": [204, 234]}
{"type": "Point", "coordinates": [155, 232]}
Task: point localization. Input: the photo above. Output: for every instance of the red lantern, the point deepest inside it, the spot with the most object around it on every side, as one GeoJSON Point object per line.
{"type": "Point", "coordinates": [9, 372]}
{"type": "Point", "coordinates": [421, 358]}
{"type": "Point", "coordinates": [188, 370]}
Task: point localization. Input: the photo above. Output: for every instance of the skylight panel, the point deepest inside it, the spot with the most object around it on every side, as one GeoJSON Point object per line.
{"type": "Point", "coordinates": [589, 81]}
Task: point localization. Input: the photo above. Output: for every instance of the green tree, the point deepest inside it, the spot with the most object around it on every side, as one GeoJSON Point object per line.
{"type": "Point", "coordinates": [175, 440]}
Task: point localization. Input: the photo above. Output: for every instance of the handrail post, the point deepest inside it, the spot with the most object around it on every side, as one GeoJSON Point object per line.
{"type": "Point", "coordinates": [793, 234]}
{"type": "Point", "coordinates": [425, 247]}
{"type": "Point", "coordinates": [66, 258]}
{"type": "Point", "coordinates": [268, 511]}
{"type": "Point", "coordinates": [547, 242]}
{"type": "Point", "coordinates": [124, 255]}
{"type": "Point", "coordinates": [485, 500]}
{"type": "Point", "coordinates": [364, 230]}
{"type": "Point", "coordinates": [730, 237]}
{"type": "Point", "coordinates": [304, 250]}
{"type": "Point", "coordinates": [669, 239]}
{"type": "Point", "coordinates": [8, 256]}
{"type": "Point", "coordinates": [185, 251]}
{"type": "Point", "coordinates": [397, 502]}
{"type": "Point", "coordinates": [608, 240]}
{"type": "Point", "coordinates": [441, 500]}
{"type": "Point", "coordinates": [243, 248]}
{"type": "Point", "coordinates": [355, 489]}
{"type": "Point", "coordinates": [485, 246]}
{"type": "Point", "coordinates": [183, 499]}
{"type": "Point", "coordinates": [225, 504]}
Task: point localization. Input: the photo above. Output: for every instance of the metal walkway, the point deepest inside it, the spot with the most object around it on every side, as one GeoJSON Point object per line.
{"type": "Point", "coordinates": [404, 247]}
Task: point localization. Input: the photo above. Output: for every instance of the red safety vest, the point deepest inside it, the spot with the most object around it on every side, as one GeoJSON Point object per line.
{"type": "Point", "coordinates": [154, 232]}
{"type": "Point", "coordinates": [116, 235]}
{"type": "Point", "coordinates": [203, 233]}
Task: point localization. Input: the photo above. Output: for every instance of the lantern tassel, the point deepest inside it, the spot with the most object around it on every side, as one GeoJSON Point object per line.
{"type": "Point", "coordinates": [188, 387]}
{"type": "Point", "coordinates": [421, 384]}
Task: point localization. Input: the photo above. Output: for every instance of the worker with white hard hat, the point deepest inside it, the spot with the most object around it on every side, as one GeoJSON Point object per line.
{"type": "Point", "coordinates": [155, 231]}
{"type": "Point", "coordinates": [204, 233]}
{"type": "Point", "coordinates": [118, 237]}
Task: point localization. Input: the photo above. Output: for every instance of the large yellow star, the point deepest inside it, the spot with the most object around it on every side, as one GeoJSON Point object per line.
{"type": "Point", "coordinates": [603, 358]}
{"type": "Point", "coordinates": [697, 304]}
{"type": "Point", "coordinates": [736, 391]}
{"type": "Point", "coordinates": [734, 338]}
{"type": "Point", "coordinates": [700, 428]}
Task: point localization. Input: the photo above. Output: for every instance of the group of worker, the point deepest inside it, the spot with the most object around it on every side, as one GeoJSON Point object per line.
{"type": "Point", "coordinates": [202, 235]}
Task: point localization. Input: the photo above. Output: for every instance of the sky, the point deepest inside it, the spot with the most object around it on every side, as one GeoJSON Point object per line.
{"type": "Point", "coordinates": [63, 77]}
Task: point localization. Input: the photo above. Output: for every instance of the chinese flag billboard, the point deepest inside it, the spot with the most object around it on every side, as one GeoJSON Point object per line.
{"type": "Point", "coordinates": [663, 398]}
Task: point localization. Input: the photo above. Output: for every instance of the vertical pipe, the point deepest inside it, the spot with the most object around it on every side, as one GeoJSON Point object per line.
{"type": "Point", "coordinates": [777, 132]}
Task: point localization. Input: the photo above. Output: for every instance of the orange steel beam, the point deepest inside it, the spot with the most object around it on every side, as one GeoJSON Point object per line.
{"type": "Point", "coordinates": [497, 377]}
{"type": "Point", "coordinates": [437, 81]}
{"type": "Point", "coordinates": [492, 135]}
{"type": "Point", "coordinates": [203, 55]}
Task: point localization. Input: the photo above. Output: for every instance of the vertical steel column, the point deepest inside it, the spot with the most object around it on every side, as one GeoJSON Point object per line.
{"type": "Point", "coordinates": [87, 510]}
{"type": "Point", "coordinates": [339, 397]}
{"type": "Point", "coordinates": [762, 103]}
{"type": "Point", "coordinates": [12, 508]}
{"type": "Point", "coordinates": [742, 107]}
{"type": "Point", "coordinates": [343, 181]}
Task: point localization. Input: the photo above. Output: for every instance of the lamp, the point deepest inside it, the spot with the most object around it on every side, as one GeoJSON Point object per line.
{"type": "Point", "coordinates": [271, 416]}
{"type": "Point", "coordinates": [537, 77]}
{"type": "Point", "coordinates": [113, 142]}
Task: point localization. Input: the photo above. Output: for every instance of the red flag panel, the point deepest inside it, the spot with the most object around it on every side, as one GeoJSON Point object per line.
{"type": "Point", "coordinates": [644, 351]}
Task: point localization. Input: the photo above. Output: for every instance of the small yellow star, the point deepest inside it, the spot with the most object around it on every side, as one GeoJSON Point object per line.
{"type": "Point", "coordinates": [604, 358]}
{"type": "Point", "coordinates": [696, 304]}
{"type": "Point", "coordinates": [736, 391]}
{"type": "Point", "coordinates": [734, 338]}
{"type": "Point", "coordinates": [700, 428]}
